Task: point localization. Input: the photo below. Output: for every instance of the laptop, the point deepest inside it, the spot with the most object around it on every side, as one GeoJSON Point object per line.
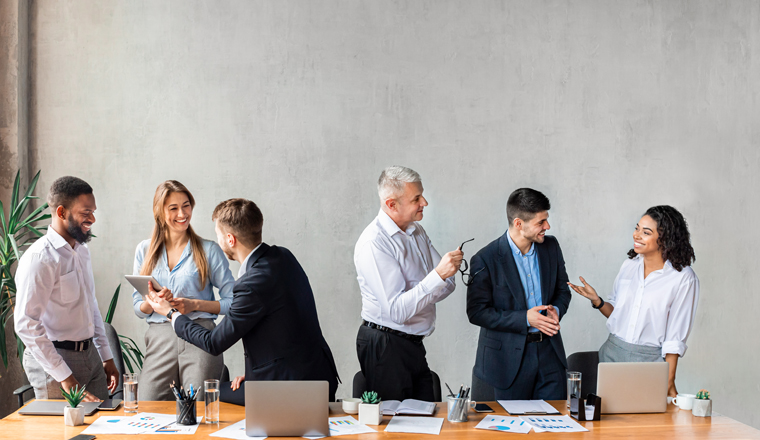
{"type": "Point", "coordinates": [632, 387]}
{"type": "Point", "coordinates": [54, 408]}
{"type": "Point", "coordinates": [287, 408]}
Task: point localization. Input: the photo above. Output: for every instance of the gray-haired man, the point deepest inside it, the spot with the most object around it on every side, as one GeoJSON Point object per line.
{"type": "Point", "coordinates": [401, 277]}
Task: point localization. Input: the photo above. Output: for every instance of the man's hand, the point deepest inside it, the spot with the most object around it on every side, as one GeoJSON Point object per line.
{"type": "Point", "coordinates": [158, 303]}
{"type": "Point", "coordinates": [70, 382]}
{"type": "Point", "coordinates": [236, 382]}
{"type": "Point", "coordinates": [184, 305]}
{"type": "Point", "coordinates": [449, 264]}
{"type": "Point", "coordinates": [112, 374]}
{"type": "Point", "coordinates": [546, 324]}
{"type": "Point", "coordinates": [552, 313]}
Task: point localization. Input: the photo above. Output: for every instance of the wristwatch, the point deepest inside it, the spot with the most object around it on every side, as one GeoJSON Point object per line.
{"type": "Point", "coordinates": [171, 312]}
{"type": "Point", "coordinates": [601, 304]}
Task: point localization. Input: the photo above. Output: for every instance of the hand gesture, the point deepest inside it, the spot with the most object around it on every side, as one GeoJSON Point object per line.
{"type": "Point", "coordinates": [586, 290]}
{"type": "Point", "coordinates": [548, 325]}
{"type": "Point", "coordinates": [183, 305]}
{"type": "Point", "coordinates": [236, 382]}
{"type": "Point", "coordinates": [112, 375]}
{"type": "Point", "coordinates": [164, 293]}
{"type": "Point", "coordinates": [157, 302]}
{"type": "Point", "coordinates": [449, 264]}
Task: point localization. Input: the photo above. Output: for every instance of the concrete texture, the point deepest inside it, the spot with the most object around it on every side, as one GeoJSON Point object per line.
{"type": "Point", "coordinates": [608, 107]}
{"type": "Point", "coordinates": [14, 148]}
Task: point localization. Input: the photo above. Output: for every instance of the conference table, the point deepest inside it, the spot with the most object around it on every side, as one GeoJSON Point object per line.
{"type": "Point", "coordinates": [673, 424]}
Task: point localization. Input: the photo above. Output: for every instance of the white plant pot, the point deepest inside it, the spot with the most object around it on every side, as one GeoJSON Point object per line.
{"type": "Point", "coordinates": [702, 408]}
{"type": "Point", "coordinates": [370, 414]}
{"type": "Point", "coordinates": [73, 416]}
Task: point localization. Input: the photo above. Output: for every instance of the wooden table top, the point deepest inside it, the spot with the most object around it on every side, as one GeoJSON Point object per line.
{"type": "Point", "coordinates": [673, 424]}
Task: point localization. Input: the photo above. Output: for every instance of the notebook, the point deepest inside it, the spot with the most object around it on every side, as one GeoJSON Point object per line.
{"type": "Point", "coordinates": [408, 406]}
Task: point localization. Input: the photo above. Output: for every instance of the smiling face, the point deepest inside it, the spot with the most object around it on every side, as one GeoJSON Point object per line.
{"type": "Point", "coordinates": [80, 217]}
{"type": "Point", "coordinates": [407, 207]}
{"type": "Point", "coordinates": [645, 236]}
{"type": "Point", "coordinates": [177, 212]}
{"type": "Point", "coordinates": [534, 230]}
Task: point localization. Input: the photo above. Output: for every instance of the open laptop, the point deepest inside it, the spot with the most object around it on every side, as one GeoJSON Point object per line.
{"type": "Point", "coordinates": [54, 408]}
{"type": "Point", "coordinates": [287, 408]}
{"type": "Point", "coordinates": [632, 387]}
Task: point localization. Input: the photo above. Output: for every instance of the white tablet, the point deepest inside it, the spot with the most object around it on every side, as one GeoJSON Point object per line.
{"type": "Point", "coordinates": [140, 283]}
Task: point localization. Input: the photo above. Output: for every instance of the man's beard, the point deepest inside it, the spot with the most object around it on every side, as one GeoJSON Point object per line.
{"type": "Point", "coordinates": [75, 230]}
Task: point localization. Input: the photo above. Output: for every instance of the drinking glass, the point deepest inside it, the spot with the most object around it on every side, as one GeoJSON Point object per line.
{"type": "Point", "coordinates": [130, 392]}
{"type": "Point", "coordinates": [212, 400]}
{"type": "Point", "coordinates": [573, 385]}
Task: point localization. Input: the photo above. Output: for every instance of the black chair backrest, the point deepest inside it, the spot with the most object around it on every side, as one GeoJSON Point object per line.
{"type": "Point", "coordinates": [113, 342]}
{"type": "Point", "coordinates": [225, 375]}
{"type": "Point", "coordinates": [360, 386]}
{"type": "Point", "coordinates": [587, 362]}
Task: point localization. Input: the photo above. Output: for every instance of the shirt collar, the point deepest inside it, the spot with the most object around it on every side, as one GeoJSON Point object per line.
{"type": "Point", "coordinates": [516, 250]}
{"type": "Point", "coordinates": [244, 264]}
{"type": "Point", "coordinates": [389, 226]}
{"type": "Point", "coordinates": [56, 240]}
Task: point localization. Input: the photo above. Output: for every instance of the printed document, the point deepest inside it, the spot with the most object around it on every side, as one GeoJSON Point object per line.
{"type": "Point", "coordinates": [504, 424]}
{"type": "Point", "coordinates": [553, 424]}
{"type": "Point", "coordinates": [408, 406]}
{"type": "Point", "coordinates": [528, 407]}
{"type": "Point", "coordinates": [415, 425]}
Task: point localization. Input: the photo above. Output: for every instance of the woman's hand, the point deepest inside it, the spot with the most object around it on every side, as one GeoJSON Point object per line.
{"type": "Point", "coordinates": [184, 305]}
{"type": "Point", "coordinates": [236, 382]}
{"type": "Point", "coordinates": [164, 293]}
{"type": "Point", "coordinates": [586, 290]}
{"type": "Point", "coordinates": [672, 391]}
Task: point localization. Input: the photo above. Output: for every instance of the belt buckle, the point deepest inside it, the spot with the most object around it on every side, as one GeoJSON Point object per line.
{"type": "Point", "coordinates": [540, 336]}
{"type": "Point", "coordinates": [79, 346]}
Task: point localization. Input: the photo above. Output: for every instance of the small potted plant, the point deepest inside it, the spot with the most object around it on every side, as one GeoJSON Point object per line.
{"type": "Point", "coordinates": [73, 415]}
{"type": "Point", "coordinates": [369, 409]}
{"type": "Point", "coordinates": [702, 404]}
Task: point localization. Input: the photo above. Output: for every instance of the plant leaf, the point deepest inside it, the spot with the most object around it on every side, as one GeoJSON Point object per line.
{"type": "Point", "coordinates": [15, 246]}
{"type": "Point", "coordinates": [112, 306]}
{"type": "Point", "coordinates": [14, 194]}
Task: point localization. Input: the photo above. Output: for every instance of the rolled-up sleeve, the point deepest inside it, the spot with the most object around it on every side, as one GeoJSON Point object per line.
{"type": "Point", "coordinates": [136, 297]}
{"type": "Point", "coordinates": [681, 317]}
{"type": "Point", "coordinates": [221, 277]}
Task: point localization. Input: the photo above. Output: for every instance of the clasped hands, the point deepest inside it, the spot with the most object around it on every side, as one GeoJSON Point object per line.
{"type": "Point", "coordinates": [161, 301]}
{"type": "Point", "coordinates": [549, 324]}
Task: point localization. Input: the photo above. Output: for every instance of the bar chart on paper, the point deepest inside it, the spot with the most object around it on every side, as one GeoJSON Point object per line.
{"type": "Point", "coordinates": [504, 424]}
{"type": "Point", "coordinates": [553, 424]}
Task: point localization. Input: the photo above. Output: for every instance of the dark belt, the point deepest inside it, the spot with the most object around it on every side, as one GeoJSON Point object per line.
{"type": "Point", "coordinates": [536, 337]}
{"type": "Point", "coordinates": [73, 345]}
{"type": "Point", "coordinates": [414, 338]}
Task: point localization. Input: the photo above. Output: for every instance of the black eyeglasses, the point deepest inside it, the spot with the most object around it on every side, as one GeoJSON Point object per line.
{"type": "Point", "coordinates": [467, 278]}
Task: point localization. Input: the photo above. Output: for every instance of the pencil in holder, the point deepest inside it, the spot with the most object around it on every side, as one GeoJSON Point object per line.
{"type": "Point", "coordinates": [186, 414]}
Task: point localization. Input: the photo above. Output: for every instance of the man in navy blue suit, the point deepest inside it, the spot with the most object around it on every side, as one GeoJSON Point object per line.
{"type": "Point", "coordinates": [272, 311]}
{"type": "Point", "coordinates": [518, 295]}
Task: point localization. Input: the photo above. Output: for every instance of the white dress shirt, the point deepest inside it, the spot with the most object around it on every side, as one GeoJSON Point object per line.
{"type": "Point", "coordinates": [657, 311]}
{"type": "Point", "coordinates": [397, 277]}
{"type": "Point", "coordinates": [55, 301]}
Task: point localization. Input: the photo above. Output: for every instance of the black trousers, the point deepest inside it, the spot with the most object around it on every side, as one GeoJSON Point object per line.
{"type": "Point", "coordinates": [541, 375]}
{"type": "Point", "coordinates": [394, 366]}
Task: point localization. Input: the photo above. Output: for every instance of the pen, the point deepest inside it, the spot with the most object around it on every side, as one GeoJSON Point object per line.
{"type": "Point", "coordinates": [190, 396]}
{"type": "Point", "coordinates": [451, 393]}
{"type": "Point", "coordinates": [460, 391]}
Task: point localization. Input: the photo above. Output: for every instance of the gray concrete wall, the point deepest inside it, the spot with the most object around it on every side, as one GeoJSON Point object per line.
{"type": "Point", "coordinates": [608, 107]}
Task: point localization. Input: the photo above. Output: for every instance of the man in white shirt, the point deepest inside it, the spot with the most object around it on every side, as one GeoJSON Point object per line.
{"type": "Point", "coordinates": [56, 314]}
{"type": "Point", "coordinates": [401, 277]}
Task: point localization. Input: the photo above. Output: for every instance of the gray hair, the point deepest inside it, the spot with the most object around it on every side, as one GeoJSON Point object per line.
{"type": "Point", "coordinates": [393, 180]}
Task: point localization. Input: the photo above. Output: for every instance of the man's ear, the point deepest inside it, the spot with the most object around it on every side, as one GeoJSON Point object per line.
{"type": "Point", "coordinates": [231, 240]}
{"type": "Point", "coordinates": [390, 204]}
{"type": "Point", "coordinates": [60, 212]}
{"type": "Point", "coordinates": [517, 223]}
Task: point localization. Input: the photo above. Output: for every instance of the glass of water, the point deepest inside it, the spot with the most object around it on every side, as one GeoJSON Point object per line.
{"type": "Point", "coordinates": [130, 392]}
{"type": "Point", "coordinates": [211, 387]}
{"type": "Point", "coordinates": [573, 385]}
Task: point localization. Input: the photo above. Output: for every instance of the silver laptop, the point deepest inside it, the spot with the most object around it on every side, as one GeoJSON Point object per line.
{"type": "Point", "coordinates": [287, 408]}
{"type": "Point", "coordinates": [54, 408]}
{"type": "Point", "coordinates": [632, 387]}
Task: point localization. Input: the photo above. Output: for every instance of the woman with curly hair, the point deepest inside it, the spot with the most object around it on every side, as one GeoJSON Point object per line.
{"type": "Point", "coordinates": [654, 298]}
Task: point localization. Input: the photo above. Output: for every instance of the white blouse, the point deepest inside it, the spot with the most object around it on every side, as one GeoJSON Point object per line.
{"type": "Point", "coordinates": [657, 311]}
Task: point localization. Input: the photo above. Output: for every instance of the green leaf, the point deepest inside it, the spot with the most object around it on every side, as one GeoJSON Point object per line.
{"type": "Point", "coordinates": [2, 218]}
{"type": "Point", "coordinates": [112, 306]}
{"type": "Point", "coordinates": [32, 185]}
{"type": "Point", "coordinates": [14, 194]}
{"type": "Point", "coordinates": [15, 247]}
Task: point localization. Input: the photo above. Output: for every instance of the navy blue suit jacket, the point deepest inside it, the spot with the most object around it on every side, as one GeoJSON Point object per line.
{"type": "Point", "coordinates": [496, 303]}
{"type": "Point", "coordinates": [274, 313]}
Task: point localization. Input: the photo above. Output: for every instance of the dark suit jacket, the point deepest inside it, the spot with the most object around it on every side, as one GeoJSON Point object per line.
{"type": "Point", "coordinates": [496, 302]}
{"type": "Point", "coordinates": [273, 311]}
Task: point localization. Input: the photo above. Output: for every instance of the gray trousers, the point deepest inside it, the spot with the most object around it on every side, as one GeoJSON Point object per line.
{"type": "Point", "coordinates": [617, 350]}
{"type": "Point", "coordinates": [169, 358]}
{"type": "Point", "coordinates": [86, 366]}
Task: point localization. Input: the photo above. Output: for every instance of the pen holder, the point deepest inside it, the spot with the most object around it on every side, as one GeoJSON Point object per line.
{"type": "Point", "coordinates": [578, 408]}
{"type": "Point", "coordinates": [459, 409]}
{"type": "Point", "coordinates": [186, 414]}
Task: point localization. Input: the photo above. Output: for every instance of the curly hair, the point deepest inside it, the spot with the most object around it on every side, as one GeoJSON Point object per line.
{"type": "Point", "coordinates": [674, 239]}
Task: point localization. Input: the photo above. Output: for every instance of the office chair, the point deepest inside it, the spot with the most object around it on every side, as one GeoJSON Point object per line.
{"type": "Point", "coordinates": [587, 362]}
{"type": "Point", "coordinates": [360, 386]}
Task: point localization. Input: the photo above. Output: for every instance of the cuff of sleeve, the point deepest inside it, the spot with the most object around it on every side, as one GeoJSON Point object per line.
{"type": "Point", "coordinates": [105, 353]}
{"type": "Point", "coordinates": [139, 312]}
{"type": "Point", "coordinates": [174, 317]}
{"type": "Point", "coordinates": [673, 347]}
{"type": "Point", "coordinates": [432, 282]}
{"type": "Point", "coordinates": [61, 372]}
{"type": "Point", "coordinates": [224, 307]}
{"type": "Point", "coordinates": [612, 303]}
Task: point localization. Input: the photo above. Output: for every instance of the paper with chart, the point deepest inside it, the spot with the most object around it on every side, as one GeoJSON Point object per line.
{"type": "Point", "coordinates": [143, 423]}
{"type": "Point", "coordinates": [415, 425]}
{"type": "Point", "coordinates": [504, 424]}
{"type": "Point", "coordinates": [553, 424]}
{"type": "Point", "coordinates": [168, 424]}
{"type": "Point", "coordinates": [235, 431]}
{"type": "Point", "coordinates": [347, 425]}
{"type": "Point", "coordinates": [112, 425]}
{"type": "Point", "coordinates": [519, 407]}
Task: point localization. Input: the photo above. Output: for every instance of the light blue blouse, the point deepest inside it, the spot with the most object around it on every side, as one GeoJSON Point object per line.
{"type": "Point", "coordinates": [184, 280]}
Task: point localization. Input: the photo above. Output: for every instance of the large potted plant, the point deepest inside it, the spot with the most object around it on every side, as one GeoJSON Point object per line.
{"type": "Point", "coordinates": [73, 415]}
{"type": "Point", "coordinates": [18, 232]}
{"type": "Point", "coordinates": [369, 409]}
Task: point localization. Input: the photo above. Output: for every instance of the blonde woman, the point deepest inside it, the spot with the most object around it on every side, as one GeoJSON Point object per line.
{"type": "Point", "coordinates": [188, 267]}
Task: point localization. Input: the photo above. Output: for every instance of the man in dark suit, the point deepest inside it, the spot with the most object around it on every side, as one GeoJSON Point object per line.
{"type": "Point", "coordinates": [518, 295]}
{"type": "Point", "coordinates": [272, 310]}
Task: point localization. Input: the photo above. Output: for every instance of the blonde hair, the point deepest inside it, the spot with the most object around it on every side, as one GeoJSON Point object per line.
{"type": "Point", "coordinates": [161, 233]}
